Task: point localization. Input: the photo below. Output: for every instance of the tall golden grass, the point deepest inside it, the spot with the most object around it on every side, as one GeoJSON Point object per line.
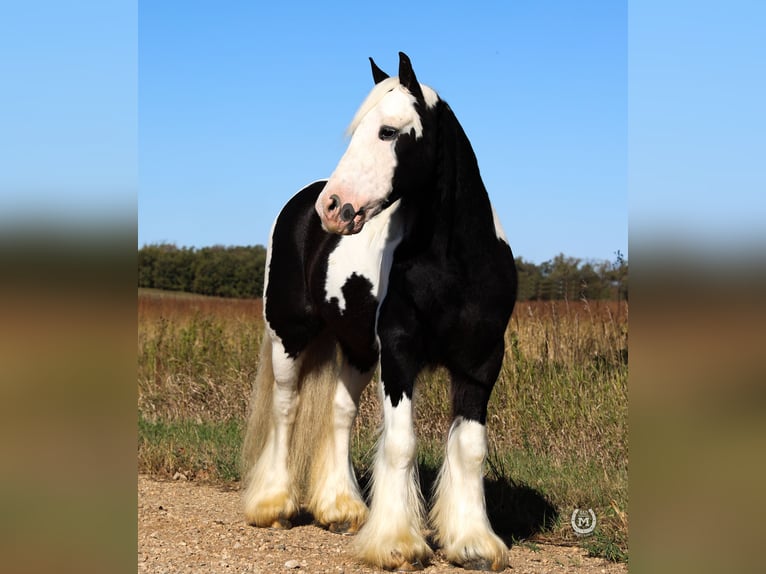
{"type": "Point", "coordinates": [197, 356]}
{"type": "Point", "coordinates": [557, 419]}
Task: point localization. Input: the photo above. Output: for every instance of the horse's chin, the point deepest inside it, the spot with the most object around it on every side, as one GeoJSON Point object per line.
{"type": "Point", "coordinates": [347, 231]}
{"type": "Point", "coordinates": [353, 230]}
{"type": "Point", "coordinates": [344, 229]}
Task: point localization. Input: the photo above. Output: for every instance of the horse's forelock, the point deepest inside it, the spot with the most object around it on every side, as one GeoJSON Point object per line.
{"type": "Point", "coordinates": [376, 94]}
{"type": "Point", "coordinates": [373, 99]}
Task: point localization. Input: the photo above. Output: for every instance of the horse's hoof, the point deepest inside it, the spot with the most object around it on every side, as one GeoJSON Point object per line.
{"type": "Point", "coordinates": [345, 528]}
{"type": "Point", "coordinates": [484, 565]}
{"type": "Point", "coordinates": [281, 523]}
{"type": "Point", "coordinates": [413, 566]}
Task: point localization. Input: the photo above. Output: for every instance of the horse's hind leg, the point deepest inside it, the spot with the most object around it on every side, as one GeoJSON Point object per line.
{"type": "Point", "coordinates": [270, 499]}
{"type": "Point", "coordinates": [334, 497]}
{"type": "Point", "coordinates": [459, 512]}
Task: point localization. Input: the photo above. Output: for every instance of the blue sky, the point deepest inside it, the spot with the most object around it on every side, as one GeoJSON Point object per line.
{"type": "Point", "coordinates": [195, 121]}
{"type": "Point", "coordinates": [68, 111]}
{"type": "Point", "coordinates": [697, 125]}
{"type": "Point", "coordinates": [243, 103]}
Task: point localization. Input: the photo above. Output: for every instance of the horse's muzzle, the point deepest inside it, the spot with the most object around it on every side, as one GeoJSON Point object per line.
{"type": "Point", "coordinates": [339, 217]}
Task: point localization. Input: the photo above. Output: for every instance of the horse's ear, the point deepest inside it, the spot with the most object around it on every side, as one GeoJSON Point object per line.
{"type": "Point", "coordinates": [377, 74]}
{"type": "Point", "coordinates": [407, 77]}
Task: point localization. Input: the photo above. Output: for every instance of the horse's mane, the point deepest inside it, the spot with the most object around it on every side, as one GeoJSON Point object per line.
{"type": "Point", "coordinates": [377, 93]}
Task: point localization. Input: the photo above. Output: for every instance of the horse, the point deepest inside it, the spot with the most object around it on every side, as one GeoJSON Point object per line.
{"type": "Point", "coordinates": [397, 261]}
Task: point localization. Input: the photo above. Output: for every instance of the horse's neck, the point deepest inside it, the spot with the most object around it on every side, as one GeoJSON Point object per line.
{"type": "Point", "coordinates": [463, 217]}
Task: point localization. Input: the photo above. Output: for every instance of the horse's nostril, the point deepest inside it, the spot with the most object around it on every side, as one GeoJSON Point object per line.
{"type": "Point", "coordinates": [334, 203]}
{"type": "Point", "coordinates": [347, 212]}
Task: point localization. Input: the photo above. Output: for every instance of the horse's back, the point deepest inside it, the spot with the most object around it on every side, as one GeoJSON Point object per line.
{"type": "Point", "coordinates": [297, 222]}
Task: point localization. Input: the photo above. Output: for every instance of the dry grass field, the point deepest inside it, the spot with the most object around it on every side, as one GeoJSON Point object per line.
{"type": "Point", "coordinates": [557, 421]}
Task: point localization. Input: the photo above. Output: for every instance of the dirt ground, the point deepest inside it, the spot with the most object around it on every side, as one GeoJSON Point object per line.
{"type": "Point", "coordinates": [185, 527]}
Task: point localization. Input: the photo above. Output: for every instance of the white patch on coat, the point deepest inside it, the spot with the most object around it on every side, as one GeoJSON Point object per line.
{"type": "Point", "coordinates": [368, 254]}
{"type": "Point", "coordinates": [379, 91]}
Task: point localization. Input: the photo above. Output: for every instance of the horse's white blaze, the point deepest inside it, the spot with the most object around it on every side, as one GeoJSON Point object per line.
{"type": "Point", "coordinates": [368, 254]}
{"type": "Point", "coordinates": [377, 94]}
{"type": "Point", "coordinates": [459, 511]}
{"type": "Point", "coordinates": [364, 175]}
{"type": "Point", "coordinates": [393, 531]}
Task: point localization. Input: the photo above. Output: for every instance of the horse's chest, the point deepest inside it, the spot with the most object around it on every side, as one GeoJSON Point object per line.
{"type": "Point", "coordinates": [361, 262]}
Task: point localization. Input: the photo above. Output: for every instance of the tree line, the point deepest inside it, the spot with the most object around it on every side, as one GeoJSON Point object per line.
{"type": "Point", "coordinates": [220, 271]}
{"type": "Point", "coordinates": [239, 272]}
{"type": "Point", "coordinates": [572, 279]}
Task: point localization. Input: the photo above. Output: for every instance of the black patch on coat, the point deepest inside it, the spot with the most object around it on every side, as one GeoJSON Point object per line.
{"type": "Point", "coordinates": [354, 327]}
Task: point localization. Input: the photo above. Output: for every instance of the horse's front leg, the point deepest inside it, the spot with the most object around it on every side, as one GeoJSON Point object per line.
{"type": "Point", "coordinates": [393, 536]}
{"type": "Point", "coordinates": [459, 512]}
{"type": "Point", "coordinates": [334, 496]}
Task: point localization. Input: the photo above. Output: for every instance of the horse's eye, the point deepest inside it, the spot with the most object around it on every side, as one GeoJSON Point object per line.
{"type": "Point", "coordinates": [387, 133]}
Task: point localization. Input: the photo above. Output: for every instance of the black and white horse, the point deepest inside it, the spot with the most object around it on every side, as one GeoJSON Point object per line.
{"type": "Point", "coordinates": [397, 260]}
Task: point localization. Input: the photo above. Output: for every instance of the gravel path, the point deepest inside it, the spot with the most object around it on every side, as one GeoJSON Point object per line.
{"type": "Point", "coordinates": [184, 527]}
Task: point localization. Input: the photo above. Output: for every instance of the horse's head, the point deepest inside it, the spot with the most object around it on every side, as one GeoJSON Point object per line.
{"type": "Point", "coordinates": [385, 155]}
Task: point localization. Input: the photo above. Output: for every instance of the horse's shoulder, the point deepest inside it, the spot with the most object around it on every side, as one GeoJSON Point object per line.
{"type": "Point", "coordinates": [303, 201]}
